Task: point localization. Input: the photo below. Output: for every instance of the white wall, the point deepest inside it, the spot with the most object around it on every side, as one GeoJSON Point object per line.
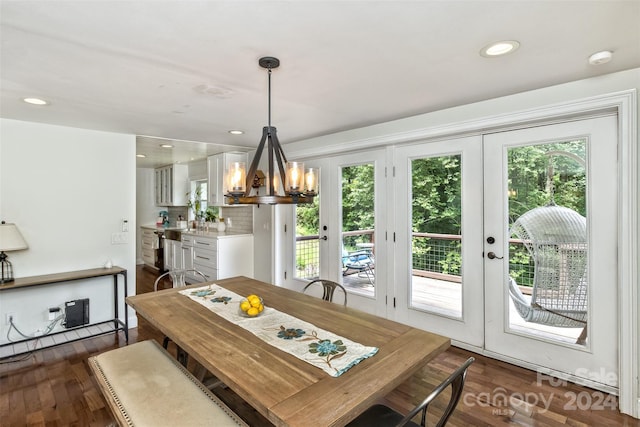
{"type": "Point", "coordinates": [449, 120]}
{"type": "Point", "coordinates": [263, 248]}
{"type": "Point", "coordinates": [67, 190]}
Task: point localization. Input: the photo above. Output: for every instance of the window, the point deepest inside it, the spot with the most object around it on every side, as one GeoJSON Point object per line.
{"type": "Point", "coordinates": [198, 198]}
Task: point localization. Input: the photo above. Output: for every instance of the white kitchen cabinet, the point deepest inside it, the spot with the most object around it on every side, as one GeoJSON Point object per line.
{"type": "Point", "coordinates": [217, 167]}
{"type": "Point", "coordinates": [173, 255]}
{"type": "Point", "coordinates": [219, 257]}
{"type": "Point", "coordinates": [187, 257]}
{"type": "Point", "coordinates": [172, 185]}
{"type": "Point", "coordinates": [149, 244]}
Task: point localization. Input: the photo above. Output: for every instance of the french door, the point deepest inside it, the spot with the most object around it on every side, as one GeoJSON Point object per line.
{"type": "Point", "coordinates": [507, 244]}
{"type": "Point", "coordinates": [448, 242]}
{"type": "Point", "coordinates": [343, 237]}
{"type": "Point", "coordinates": [438, 254]}
{"type": "Point", "coordinates": [551, 200]}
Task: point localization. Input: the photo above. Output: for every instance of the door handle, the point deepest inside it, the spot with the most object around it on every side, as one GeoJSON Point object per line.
{"type": "Point", "coordinates": [324, 237]}
{"type": "Point", "coordinates": [492, 255]}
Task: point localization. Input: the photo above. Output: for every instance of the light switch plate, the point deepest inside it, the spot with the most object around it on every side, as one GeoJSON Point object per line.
{"type": "Point", "coordinates": [119, 238]}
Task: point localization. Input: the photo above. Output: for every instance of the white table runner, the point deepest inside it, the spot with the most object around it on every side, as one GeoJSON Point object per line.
{"type": "Point", "coordinates": [323, 349]}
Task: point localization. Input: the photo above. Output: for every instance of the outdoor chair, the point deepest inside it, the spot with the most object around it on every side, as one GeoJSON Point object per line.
{"type": "Point", "coordinates": [556, 239]}
{"type": "Point", "coordinates": [383, 416]}
{"type": "Point", "coordinates": [360, 262]}
{"type": "Point", "coordinates": [328, 289]}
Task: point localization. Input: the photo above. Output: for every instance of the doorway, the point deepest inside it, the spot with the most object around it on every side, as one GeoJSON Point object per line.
{"type": "Point", "coordinates": [506, 241]}
{"type": "Point", "coordinates": [337, 237]}
{"type": "Point", "coordinates": [550, 220]}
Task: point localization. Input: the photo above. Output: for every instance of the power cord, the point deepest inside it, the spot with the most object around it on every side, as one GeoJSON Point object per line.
{"type": "Point", "coordinates": [47, 330]}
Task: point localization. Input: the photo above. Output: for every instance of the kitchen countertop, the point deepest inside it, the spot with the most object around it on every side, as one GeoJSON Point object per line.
{"type": "Point", "coordinates": [161, 228]}
{"type": "Point", "coordinates": [191, 232]}
{"type": "Point", "coordinates": [218, 234]}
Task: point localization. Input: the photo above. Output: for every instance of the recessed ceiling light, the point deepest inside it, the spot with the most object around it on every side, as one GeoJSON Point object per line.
{"type": "Point", "coordinates": [142, 156]}
{"type": "Point", "coordinates": [236, 132]}
{"type": "Point", "coordinates": [35, 101]}
{"type": "Point", "coordinates": [499, 48]}
{"type": "Point", "coordinates": [166, 145]}
{"type": "Point", "coordinates": [600, 57]}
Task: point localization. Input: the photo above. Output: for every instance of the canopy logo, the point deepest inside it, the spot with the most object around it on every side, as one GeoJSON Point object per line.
{"type": "Point", "coordinates": [504, 402]}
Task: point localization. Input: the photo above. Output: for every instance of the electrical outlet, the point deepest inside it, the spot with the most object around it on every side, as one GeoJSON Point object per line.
{"type": "Point", "coordinates": [119, 238]}
{"type": "Point", "coordinates": [9, 318]}
{"type": "Point", "coordinates": [53, 313]}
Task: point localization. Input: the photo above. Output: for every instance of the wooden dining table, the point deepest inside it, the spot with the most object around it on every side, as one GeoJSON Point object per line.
{"type": "Point", "coordinates": [286, 390]}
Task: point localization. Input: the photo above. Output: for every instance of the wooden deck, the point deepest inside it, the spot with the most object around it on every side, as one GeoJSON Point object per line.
{"type": "Point", "coordinates": [444, 298]}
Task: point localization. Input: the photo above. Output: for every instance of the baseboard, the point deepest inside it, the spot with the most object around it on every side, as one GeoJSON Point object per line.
{"type": "Point", "coordinates": [536, 368]}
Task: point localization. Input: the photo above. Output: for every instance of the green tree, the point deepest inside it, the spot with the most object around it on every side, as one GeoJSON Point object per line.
{"type": "Point", "coordinates": [358, 197]}
{"type": "Point", "coordinates": [436, 196]}
{"type": "Point", "coordinates": [530, 169]}
{"type": "Point", "coordinates": [436, 208]}
{"type": "Point", "coordinates": [308, 218]}
{"type": "Point", "coordinates": [436, 189]}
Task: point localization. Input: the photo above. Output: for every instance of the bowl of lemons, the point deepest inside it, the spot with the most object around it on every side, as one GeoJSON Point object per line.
{"type": "Point", "coordinates": [251, 306]}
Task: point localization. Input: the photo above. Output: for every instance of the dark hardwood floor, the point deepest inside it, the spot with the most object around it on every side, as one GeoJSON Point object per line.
{"type": "Point", "coordinates": [54, 387]}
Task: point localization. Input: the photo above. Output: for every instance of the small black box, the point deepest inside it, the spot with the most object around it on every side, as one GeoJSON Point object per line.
{"type": "Point", "coordinates": [76, 313]}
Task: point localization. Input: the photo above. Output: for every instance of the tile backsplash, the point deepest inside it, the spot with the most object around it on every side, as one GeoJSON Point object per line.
{"type": "Point", "coordinates": [174, 211]}
{"type": "Point", "coordinates": [241, 218]}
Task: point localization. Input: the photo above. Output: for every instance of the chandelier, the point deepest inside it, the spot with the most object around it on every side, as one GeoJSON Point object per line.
{"type": "Point", "coordinates": [291, 184]}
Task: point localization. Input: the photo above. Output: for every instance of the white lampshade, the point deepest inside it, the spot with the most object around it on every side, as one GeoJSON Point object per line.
{"type": "Point", "coordinates": [10, 238]}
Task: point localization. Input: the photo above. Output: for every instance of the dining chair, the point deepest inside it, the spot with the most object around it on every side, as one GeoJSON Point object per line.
{"type": "Point", "coordinates": [382, 416]}
{"type": "Point", "coordinates": [328, 289]}
{"type": "Point", "coordinates": [178, 279]}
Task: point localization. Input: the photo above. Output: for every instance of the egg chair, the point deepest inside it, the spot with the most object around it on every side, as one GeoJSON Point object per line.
{"type": "Point", "coordinates": [556, 239]}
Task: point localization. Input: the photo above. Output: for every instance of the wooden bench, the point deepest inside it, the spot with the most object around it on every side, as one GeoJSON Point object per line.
{"type": "Point", "coordinates": [145, 386]}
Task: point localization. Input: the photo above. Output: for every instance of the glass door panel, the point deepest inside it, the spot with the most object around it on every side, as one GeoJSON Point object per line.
{"type": "Point", "coordinates": [436, 242]}
{"type": "Point", "coordinates": [358, 228]}
{"type": "Point", "coordinates": [548, 245]}
{"type": "Point", "coordinates": [307, 246]}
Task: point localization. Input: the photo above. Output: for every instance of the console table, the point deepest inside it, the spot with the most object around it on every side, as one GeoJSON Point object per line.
{"type": "Point", "coordinates": [84, 331]}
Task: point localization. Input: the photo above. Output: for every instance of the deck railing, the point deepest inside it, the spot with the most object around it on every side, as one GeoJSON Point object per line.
{"type": "Point", "coordinates": [433, 255]}
{"type": "Point", "coordinates": [308, 251]}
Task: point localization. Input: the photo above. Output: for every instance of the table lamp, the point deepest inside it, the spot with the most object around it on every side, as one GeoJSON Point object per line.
{"type": "Point", "coordinates": [10, 240]}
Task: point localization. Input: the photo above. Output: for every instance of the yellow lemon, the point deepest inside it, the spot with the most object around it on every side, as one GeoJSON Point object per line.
{"type": "Point", "coordinates": [245, 305]}
{"type": "Point", "coordinates": [253, 312]}
{"type": "Point", "coordinates": [260, 308]}
{"type": "Point", "coordinates": [255, 302]}
{"type": "Point", "coordinates": [252, 296]}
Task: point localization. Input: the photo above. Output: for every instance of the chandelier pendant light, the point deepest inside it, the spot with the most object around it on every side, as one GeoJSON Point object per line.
{"type": "Point", "coordinates": [290, 184]}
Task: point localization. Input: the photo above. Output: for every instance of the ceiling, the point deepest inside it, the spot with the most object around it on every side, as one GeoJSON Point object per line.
{"type": "Point", "coordinates": [188, 71]}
